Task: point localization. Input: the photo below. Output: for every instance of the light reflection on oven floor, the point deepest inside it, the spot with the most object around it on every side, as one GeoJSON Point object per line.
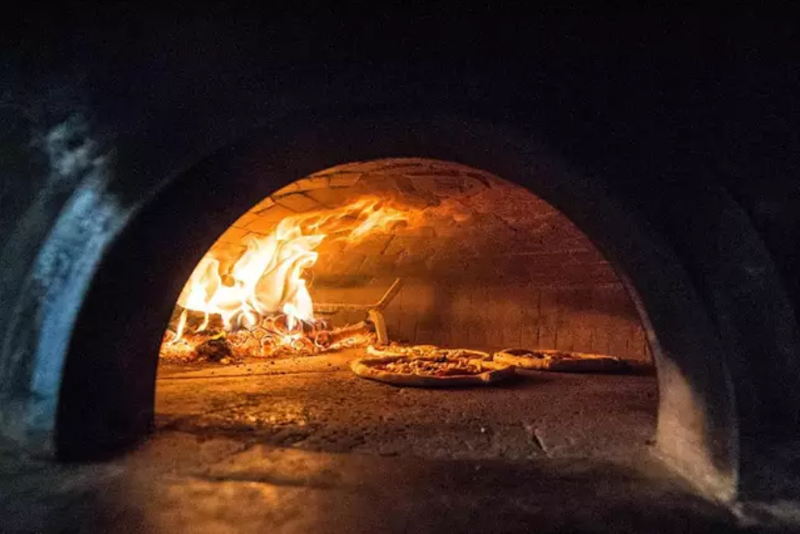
{"type": "Point", "coordinates": [243, 449]}
{"type": "Point", "coordinates": [179, 482]}
{"type": "Point", "coordinates": [316, 403]}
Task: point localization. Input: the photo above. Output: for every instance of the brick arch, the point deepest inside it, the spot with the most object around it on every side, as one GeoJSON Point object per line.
{"type": "Point", "coordinates": [488, 264]}
{"type": "Point", "coordinates": [106, 396]}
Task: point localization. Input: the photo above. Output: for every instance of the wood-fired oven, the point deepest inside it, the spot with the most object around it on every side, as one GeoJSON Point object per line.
{"type": "Point", "coordinates": [202, 225]}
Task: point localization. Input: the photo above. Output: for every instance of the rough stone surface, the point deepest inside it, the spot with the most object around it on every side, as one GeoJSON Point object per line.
{"type": "Point", "coordinates": [317, 403]}
{"type": "Point", "coordinates": [181, 483]}
{"type": "Point", "coordinates": [257, 447]}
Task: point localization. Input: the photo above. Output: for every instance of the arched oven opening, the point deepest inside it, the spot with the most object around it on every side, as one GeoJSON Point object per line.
{"type": "Point", "coordinates": [387, 255]}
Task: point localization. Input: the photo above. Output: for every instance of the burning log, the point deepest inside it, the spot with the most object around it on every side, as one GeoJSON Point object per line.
{"type": "Point", "coordinates": [273, 336]}
{"type": "Point", "coordinates": [326, 339]}
{"type": "Point", "coordinates": [374, 311]}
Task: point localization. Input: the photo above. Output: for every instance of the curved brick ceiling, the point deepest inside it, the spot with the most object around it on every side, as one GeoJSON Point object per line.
{"type": "Point", "coordinates": [508, 232]}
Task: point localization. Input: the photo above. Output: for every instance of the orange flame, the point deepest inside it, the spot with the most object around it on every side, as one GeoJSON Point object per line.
{"type": "Point", "coordinates": [268, 278]}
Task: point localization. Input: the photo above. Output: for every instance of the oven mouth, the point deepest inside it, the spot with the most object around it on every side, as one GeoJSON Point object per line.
{"type": "Point", "coordinates": [438, 264]}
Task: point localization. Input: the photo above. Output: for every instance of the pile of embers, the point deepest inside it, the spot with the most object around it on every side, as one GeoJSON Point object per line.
{"type": "Point", "coordinates": [206, 339]}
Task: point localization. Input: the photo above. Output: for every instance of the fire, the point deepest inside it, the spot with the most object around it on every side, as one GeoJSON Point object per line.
{"type": "Point", "coordinates": [266, 289]}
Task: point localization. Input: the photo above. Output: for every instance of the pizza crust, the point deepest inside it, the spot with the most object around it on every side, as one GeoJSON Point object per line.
{"type": "Point", "coordinates": [559, 361]}
{"type": "Point", "coordinates": [490, 371]}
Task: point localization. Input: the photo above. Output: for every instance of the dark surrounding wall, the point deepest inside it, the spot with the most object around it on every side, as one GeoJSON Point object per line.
{"type": "Point", "coordinates": [486, 264]}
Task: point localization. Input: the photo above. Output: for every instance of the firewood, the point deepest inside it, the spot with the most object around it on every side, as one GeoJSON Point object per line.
{"type": "Point", "coordinates": [327, 338]}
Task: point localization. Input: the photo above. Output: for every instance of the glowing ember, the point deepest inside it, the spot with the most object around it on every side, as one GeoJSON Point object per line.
{"type": "Point", "coordinates": [263, 300]}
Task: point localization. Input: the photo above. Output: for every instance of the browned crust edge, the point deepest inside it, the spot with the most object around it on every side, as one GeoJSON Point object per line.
{"type": "Point", "coordinates": [582, 362]}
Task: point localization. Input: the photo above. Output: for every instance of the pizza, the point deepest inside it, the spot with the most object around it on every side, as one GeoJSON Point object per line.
{"type": "Point", "coordinates": [559, 361]}
{"type": "Point", "coordinates": [430, 366]}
